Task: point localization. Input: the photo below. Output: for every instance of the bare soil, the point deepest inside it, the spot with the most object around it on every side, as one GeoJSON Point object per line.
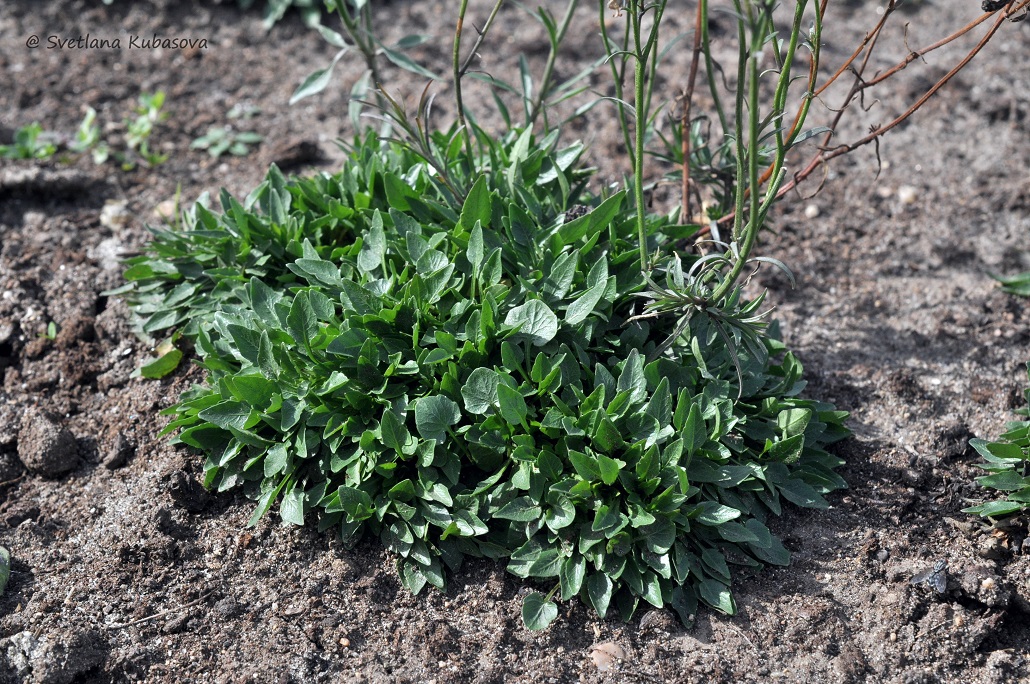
{"type": "Point", "coordinates": [125, 569]}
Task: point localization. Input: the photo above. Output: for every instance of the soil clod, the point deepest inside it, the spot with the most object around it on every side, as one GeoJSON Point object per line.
{"type": "Point", "coordinates": [46, 447]}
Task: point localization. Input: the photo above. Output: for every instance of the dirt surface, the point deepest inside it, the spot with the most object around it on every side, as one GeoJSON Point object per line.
{"type": "Point", "coordinates": [125, 569]}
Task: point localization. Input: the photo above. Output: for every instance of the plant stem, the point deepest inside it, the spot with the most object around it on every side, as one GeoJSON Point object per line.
{"type": "Point", "coordinates": [688, 97]}
{"type": "Point", "coordinates": [456, 62]}
{"type": "Point", "coordinates": [617, 80]}
{"type": "Point", "coordinates": [640, 107]}
{"type": "Point", "coordinates": [552, 56]}
{"type": "Point", "coordinates": [362, 37]}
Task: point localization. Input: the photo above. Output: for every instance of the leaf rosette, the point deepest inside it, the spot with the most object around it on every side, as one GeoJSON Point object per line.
{"type": "Point", "coordinates": [466, 377]}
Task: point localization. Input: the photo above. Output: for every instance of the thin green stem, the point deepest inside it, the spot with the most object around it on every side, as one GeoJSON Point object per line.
{"type": "Point", "coordinates": [361, 34]}
{"type": "Point", "coordinates": [552, 57]}
{"type": "Point", "coordinates": [710, 68]}
{"type": "Point", "coordinates": [480, 38]}
{"type": "Point", "coordinates": [617, 80]}
{"type": "Point", "coordinates": [456, 63]}
{"type": "Point", "coordinates": [640, 124]}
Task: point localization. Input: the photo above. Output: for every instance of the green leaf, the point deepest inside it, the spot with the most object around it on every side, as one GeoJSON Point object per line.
{"type": "Point", "coordinates": [374, 247]}
{"type": "Point", "coordinates": [480, 391]}
{"type": "Point", "coordinates": [535, 321]}
{"type": "Point", "coordinates": [792, 422]}
{"type": "Point", "coordinates": [573, 571]}
{"type": "Point", "coordinates": [717, 595]}
{"type": "Point", "coordinates": [599, 591]}
{"type": "Point", "coordinates": [406, 63]}
{"type": "Point", "coordinates": [434, 416]}
{"type": "Point", "coordinates": [802, 494]}
{"type": "Point", "coordinates": [5, 568]}
{"type": "Point", "coordinates": [395, 435]}
{"type": "Point", "coordinates": [512, 404]}
{"type": "Point", "coordinates": [317, 81]}
{"type": "Point", "coordinates": [609, 468]}
{"type": "Point", "coordinates": [477, 207]}
{"type": "Point", "coordinates": [522, 509]}
{"type": "Point", "coordinates": [695, 433]}
{"type": "Point", "coordinates": [228, 414]}
{"type": "Point", "coordinates": [291, 509]}
{"type": "Point", "coordinates": [584, 304]}
{"type": "Point", "coordinates": [591, 224]}
{"type": "Point", "coordinates": [713, 513]}
{"type": "Point", "coordinates": [302, 321]}
{"type": "Point", "coordinates": [537, 611]}
{"type": "Point", "coordinates": [995, 509]}
{"type": "Point", "coordinates": [606, 438]}
{"type": "Point", "coordinates": [475, 248]}
{"type": "Point", "coordinates": [632, 378]}
{"type": "Point", "coordinates": [162, 366]}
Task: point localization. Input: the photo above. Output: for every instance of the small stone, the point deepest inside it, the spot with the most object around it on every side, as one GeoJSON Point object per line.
{"type": "Point", "coordinates": [812, 211]}
{"type": "Point", "coordinates": [166, 210]}
{"type": "Point", "coordinates": [606, 655]}
{"type": "Point", "coordinates": [882, 555]}
{"type": "Point", "coordinates": [119, 453]}
{"type": "Point", "coordinates": [344, 642]}
{"type": "Point", "coordinates": [176, 624]}
{"type": "Point", "coordinates": [115, 214]}
{"type": "Point", "coordinates": [907, 194]}
{"type": "Point", "coordinates": [992, 548]}
{"type": "Point", "coordinates": [46, 447]}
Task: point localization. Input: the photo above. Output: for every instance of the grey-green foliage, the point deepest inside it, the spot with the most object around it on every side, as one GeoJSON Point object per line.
{"type": "Point", "coordinates": [460, 377]}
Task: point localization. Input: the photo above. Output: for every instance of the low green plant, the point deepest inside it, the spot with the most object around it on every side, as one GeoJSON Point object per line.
{"type": "Point", "coordinates": [139, 129]}
{"type": "Point", "coordinates": [30, 142]}
{"type": "Point", "coordinates": [275, 10]}
{"type": "Point", "coordinates": [1018, 284]}
{"type": "Point", "coordinates": [221, 139]}
{"type": "Point", "coordinates": [88, 139]}
{"type": "Point", "coordinates": [455, 346]}
{"type": "Point", "coordinates": [1008, 462]}
{"type": "Point", "coordinates": [466, 381]}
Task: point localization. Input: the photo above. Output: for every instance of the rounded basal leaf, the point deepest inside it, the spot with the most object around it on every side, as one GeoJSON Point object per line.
{"type": "Point", "coordinates": [537, 611]}
{"type": "Point", "coordinates": [434, 416]}
{"type": "Point", "coordinates": [480, 391]}
{"type": "Point", "coordinates": [535, 321]}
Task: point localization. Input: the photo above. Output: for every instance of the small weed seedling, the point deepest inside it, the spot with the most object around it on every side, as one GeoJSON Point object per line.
{"type": "Point", "coordinates": [1007, 461]}
{"type": "Point", "coordinates": [219, 140]}
{"type": "Point", "coordinates": [139, 129]}
{"type": "Point", "coordinates": [30, 142]}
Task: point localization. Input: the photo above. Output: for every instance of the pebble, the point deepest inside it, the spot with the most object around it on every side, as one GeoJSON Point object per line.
{"type": "Point", "coordinates": [46, 447]}
{"type": "Point", "coordinates": [165, 210]}
{"type": "Point", "coordinates": [882, 555]}
{"type": "Point", "coordinates": [115, 214]}
{"type": "Point", "coordinates": [120, 452]}
{"type": "Point", "coordinates": [812, 211]}
{"type": "Point", "coordinates": [606, 655]}
{"type": "Point", "coordinates": [907, 194]}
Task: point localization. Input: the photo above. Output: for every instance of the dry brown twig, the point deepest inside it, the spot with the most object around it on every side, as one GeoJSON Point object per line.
{"type": "Point", "coordinates": [1012, 11]}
